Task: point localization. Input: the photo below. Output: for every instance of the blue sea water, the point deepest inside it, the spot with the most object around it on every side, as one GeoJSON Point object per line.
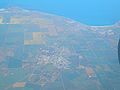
{"type": "Point", "coordinates": [91, 12]}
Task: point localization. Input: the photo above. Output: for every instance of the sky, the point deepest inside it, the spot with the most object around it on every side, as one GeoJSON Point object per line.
{"type": "Point", "coordinates": [90, 12]}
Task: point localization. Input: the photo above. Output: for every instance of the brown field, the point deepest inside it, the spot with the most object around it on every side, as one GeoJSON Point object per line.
{"type": "Point", "coordinates": [90, 72]}
{"type": "Point", "coordinates": [19, 84]}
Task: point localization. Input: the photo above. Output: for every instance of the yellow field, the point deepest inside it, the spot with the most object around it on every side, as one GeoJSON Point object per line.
{"type": "Point", "coordinates": [1, 20]}
{"type": "Point", "coordinates": [28, 20]}
{"type": "Point", "coordinates": [37, 38]}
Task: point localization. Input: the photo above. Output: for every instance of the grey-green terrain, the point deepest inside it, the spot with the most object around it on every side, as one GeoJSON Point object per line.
{"type": "Point", "coordinates": [40, 51]}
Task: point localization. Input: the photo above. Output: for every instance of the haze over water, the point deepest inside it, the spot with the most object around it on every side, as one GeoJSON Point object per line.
{"type": "Point", "coordinates": [91, 12]}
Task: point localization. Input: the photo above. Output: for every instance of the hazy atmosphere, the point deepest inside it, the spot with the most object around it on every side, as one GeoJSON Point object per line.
{"type": "Point", "coordinates": [59, 45]}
